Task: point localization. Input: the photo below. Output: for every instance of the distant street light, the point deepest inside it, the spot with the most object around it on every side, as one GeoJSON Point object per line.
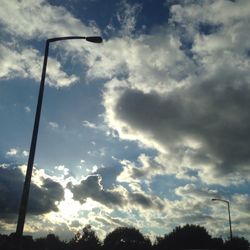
{"type": "Point", "coordinates": [229, 216]}
{"type": "Point", "coordinates": [26, 186]}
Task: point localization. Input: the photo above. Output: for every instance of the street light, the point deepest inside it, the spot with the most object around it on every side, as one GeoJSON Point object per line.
{"type": "Point", "coordinates": [26, 185]}
{"type": "Point", "coordinates": [229, 216]}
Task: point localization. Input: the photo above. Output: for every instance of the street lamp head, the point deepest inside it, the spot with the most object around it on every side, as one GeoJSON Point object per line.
{"type": "Point", "coordinates": [94, 39]}
{"type": "Point", "coordinates": [217, 199]}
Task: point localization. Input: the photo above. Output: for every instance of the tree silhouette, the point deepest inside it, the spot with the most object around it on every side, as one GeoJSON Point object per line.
{"type": "Point", "coordinates": [10, 242]}
{"type": "Point", "coordinates": [237, 244]}
{"type": "Point", "coordinates": [186, 237]}
{"type": "Point", "coordinates": [123, 238]}
{"type": "Point", "coordinates": [51, 242]}
{"type": "Point", "coordinates": [217, 243]}
{"type": "Point", "coordinates": [88, 240]}
{"type": "Point", "coordinates": [128, 238]}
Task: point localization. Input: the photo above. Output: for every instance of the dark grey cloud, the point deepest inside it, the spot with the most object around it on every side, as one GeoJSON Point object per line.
{"type": "Point", "coordinates": [213, 113]}
{"type": "Point", "coordinates": [41, 199]}
{"type": "Point", "coordinates": [141, 199]}
{"type": "Point", "coordinates": [91, 187]}
{"type": "Point", "coordinates": [145, 201]}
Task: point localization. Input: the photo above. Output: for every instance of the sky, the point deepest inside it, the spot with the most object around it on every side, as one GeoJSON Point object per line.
{"type": "Point", "coordinates": [142, 130]}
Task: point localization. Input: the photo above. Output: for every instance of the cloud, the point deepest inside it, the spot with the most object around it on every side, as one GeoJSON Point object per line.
{"type": "Point", "coordinates": [111, 222]}
{"type": "Point", "coordinates": [240, 205]}
{"type": "Point", "coordinates": [17, 152]}
{"type": "Point", "coordinates": [173, 89]}
{"type": "Point", "coordinates": [127, 17]}
{"type": "Point", "coordinates": [192, 191]}
{"type": "Point", "coordinates": [27, 62]}
{"type": "Point", "coordinates": [92, 187]}
{"type": "Point", "coordinates": [27, 109]}
{"type": "Point", "coordinates": [42, 199]}
{"type": "Point", "coordinates": [183, 90]}
{"type": "Point", "coordinates": [114, 197]}
{"type": "Point", "coordinates": [63, 169]}
{"type": "Point", "coordinates": [18, 59]}
{"type": "Point", "coordinates": [146, 201]}
{"type": "Point", "coordinates": [108, 174]}
{"type": "Point", "coordinates": [53, 125]}
{"type": "Point", "coordinates": [12, 152]}
{"type": "Point", "coordinates": [242, 201]}
{"type": "Point", "coordinates": [209, 121]}
{"type": "Point", "coordinates": [144, 169]}
{"type": "Point", "coordinates": [25, 153]}
{"type": "Point", "coordinates": [31, 21]}
{"type": "Point", "coordinates": [88, 124]}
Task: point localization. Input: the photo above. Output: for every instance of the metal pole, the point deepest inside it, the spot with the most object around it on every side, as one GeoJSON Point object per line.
{"type": "Point", "coordinates": [230, 225]}
{"type": "Point", "coordinates": [229, 216]}
{"type": "Point", "coordinates": [26, 186]}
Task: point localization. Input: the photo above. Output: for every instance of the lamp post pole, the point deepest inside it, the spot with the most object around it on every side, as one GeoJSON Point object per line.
{"type": "Point", "coordinates": [26, 186]}
{"type": "Point", "coordinates": [229, 215]}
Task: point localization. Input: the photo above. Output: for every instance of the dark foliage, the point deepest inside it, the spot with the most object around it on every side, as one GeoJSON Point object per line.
{"type": "Point", "coordinates": [87, 240]}
{"type": "Point", "coordinates": [186, 237]}
{"type": "Point", "coordinates": [217, 243]}
{"type": "Point", "coordinates": [51, 242]}
{"type": "Point", "coordinates": [10, 242]}
{"type": "Point", "coordinates": [237, 244]}
{"type": "Point", "coordinates": [128, 238]}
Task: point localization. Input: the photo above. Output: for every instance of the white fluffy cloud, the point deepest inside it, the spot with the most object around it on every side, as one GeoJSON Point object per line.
{"type": "Point", "coordinates": [17, 152]}
{"type": "Point", "coordinates": [27, 63]}
{"type": "Point", "coordinates": [53, 125]}
{"type": "Point", "coordinates": [36, 20]}
{"type": "Point", "coordinates": [12, 152]}
{"type": "Point", "coordinates": [39, 19]}
{"type": "Point", "coordinates": [127, 16]}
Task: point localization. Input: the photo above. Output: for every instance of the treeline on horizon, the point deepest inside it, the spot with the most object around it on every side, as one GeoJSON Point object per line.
{"type": "Point", "coordinates": [129, 238]}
